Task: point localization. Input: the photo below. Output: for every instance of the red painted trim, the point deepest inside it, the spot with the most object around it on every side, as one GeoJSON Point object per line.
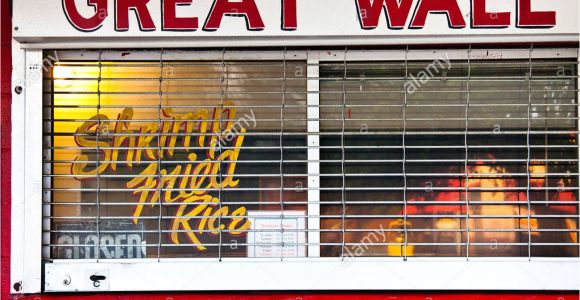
{"type": "Point", "coordinates": [316, 296]}
{"type": "Point", "coordinates": [5, 194]}
{"type": "Point", "coordinates": [5, 132]}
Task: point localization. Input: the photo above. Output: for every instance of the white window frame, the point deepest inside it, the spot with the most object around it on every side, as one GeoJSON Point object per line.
{"type": "Point", "coordinates": [242, 274]}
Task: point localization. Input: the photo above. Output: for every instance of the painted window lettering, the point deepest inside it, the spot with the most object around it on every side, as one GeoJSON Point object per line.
{"type": "Point", "coordinates": [194, 179]}
{"type": "Point", "coordinates": [185, 170]}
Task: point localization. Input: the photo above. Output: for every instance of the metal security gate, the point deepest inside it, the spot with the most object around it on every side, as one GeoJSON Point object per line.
{"type": "Point", "coordinates": [447, 152]}
{"type": "Point", "coordinates": [298, 155]}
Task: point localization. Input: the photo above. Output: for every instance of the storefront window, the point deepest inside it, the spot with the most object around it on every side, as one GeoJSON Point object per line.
{"type": "Point", "coordinates": [195, 159]}
{"type": "Point", "coordinates": [439, 158]}
{"type": "Point", "coordinates": [174, 160]}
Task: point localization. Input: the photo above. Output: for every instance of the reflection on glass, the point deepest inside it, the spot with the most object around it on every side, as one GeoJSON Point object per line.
{"type": "Point", "coordinates": [143, 167]}
{"type": "Point", "coordinates": [453, 167]}
{"type": "Point", "coordinates": [204, 159]}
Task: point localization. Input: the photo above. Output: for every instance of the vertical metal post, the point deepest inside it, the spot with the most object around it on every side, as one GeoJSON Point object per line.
{"type": "Point", "coordinates": [342, 145]}
{"type": "Point", "coordinates": [282, 158]}
{"type": "Point", "coordinates": [224, 91]}
{"type": "Point", "coordinates": [528, 161]}
{"type": "Point", "coordinates": [98, 133]}
{"type": "Point", "coordinates": [577, 69]}
{"type": "Point", "coordinates": [49, 158]}
{"type": "Point", "coordinates": [404, 166]}
{"type": "Point", "coordinates": [313, 133]}
{"type": "Point", "coordinates": [466, 166]}
{"type": "Point", "coordinates": [28, 200]}
{"type": "Point", "coordinates": [160, 151]}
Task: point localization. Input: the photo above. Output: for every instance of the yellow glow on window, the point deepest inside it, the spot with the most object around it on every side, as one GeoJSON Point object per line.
{"type": "Point", "coordinates": [63, 72]}
{"type": "Point", "coordinates": [61, 76]}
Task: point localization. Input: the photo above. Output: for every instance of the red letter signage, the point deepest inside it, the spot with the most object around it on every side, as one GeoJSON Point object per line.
{"type": "Point", "coordinates": [86, 24]}
{"type": "Point", "coordinates": [144, 19]}
{"type": "Point", "coordinates": [529, 18]}
{"type": "Point", "coordinates": [370, 14]}
{"type": "Point", "coordinates": [397, 12]}
{"type": "Point", "coordinates": [170, 19]}
{"type": "Point", "coordinates": [480, 18]}
{"type": "Point", "coordinates": [243, 8]}
{"type": "Point", "coordinates": [289, 15]}
{"type": "Point", "coordinates": [448, 7]}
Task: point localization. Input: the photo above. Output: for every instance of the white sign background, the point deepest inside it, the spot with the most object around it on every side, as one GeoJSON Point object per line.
{"type": "Point", "coordinates": [321, 22]}
{"type": "Point", "coordinates": [268, 230]}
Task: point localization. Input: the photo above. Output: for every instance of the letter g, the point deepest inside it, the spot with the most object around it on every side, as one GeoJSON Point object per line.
{"type": "Point", "coordinates": [79, 21]}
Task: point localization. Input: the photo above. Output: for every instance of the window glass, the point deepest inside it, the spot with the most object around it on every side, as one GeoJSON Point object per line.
{"type": "Point", "coordinates": [174, 160]}
{"type": "Point", "coordinates": [449, 158]}
{"type": "Point", "coordinates": [194, 159]}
